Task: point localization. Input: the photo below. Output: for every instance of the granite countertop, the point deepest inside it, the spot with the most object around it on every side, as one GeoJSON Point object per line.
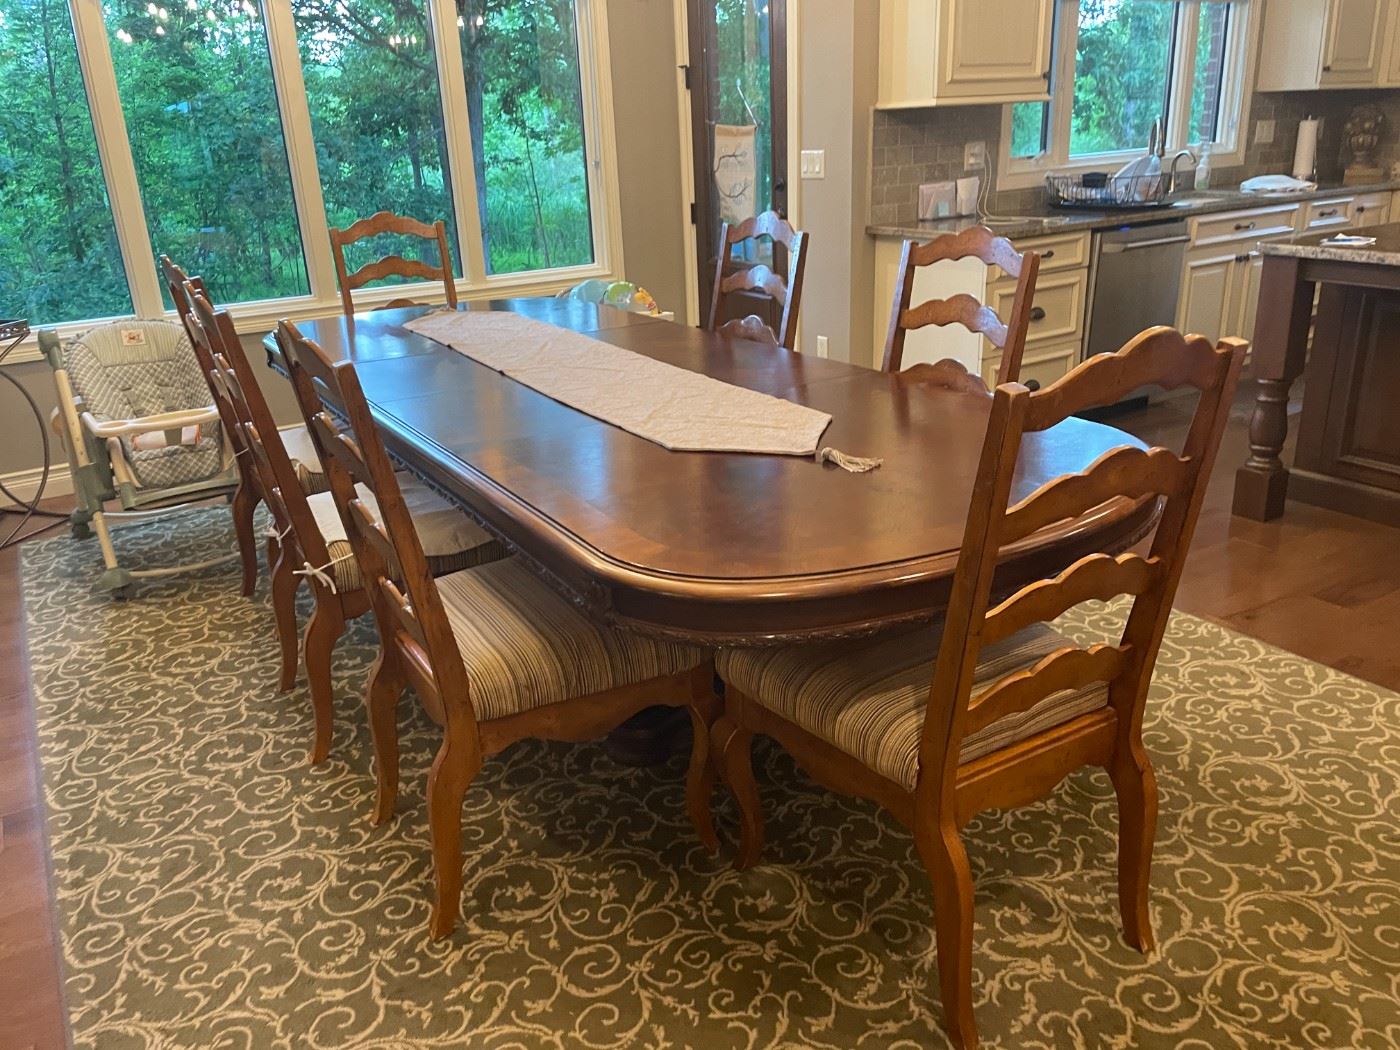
{"type": "Point", "coordinates": [1385, 252]}
{"type": "Point", "coordinates": [1046, 220]}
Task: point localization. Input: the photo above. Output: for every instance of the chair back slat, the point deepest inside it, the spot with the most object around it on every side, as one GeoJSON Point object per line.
{"type": "Point", "coordinates": [976, 242]}
{"type": "Point", "coordinates": [784, 288]}
{"type": "Point", "coordinates": [1094, 577]}
{"type": "Point", "coordinates": [1066, 668]}
{"type": "Point", "coordinates": [1178, 480]}
{"type": "Point", "coordinates": [234, 382]}
{"type": "Point", "coordinates": [1161, 356]}
{"type": "Point", "coordinates": [756, 279]}
{"type": "Point", "coordinates": [392, 265]}
{"type": "Point", "coordinates": [1125, 472]}
{"type": "Point", "coordinates": [403, 593]}
{"type": "Point", "coordinates": [960, 309]}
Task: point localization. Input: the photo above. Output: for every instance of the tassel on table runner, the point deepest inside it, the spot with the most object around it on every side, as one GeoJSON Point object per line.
{"type": "Point", "coordinates": [853, 464]}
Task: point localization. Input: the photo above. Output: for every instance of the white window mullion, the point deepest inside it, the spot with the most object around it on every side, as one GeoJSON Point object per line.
{"type": "Point", "coordinates": [114, 150]}
{"type": "Point", "coordinates": [599, 134]}
{"type": "Point", "coordinates": [1183, 76]}
{"type": "Point", "coordinates": [456, 121]}
{"type": "Point", "coordinates": [1062, 99]}
{"type": "Point", "coordinates": [301, 147]}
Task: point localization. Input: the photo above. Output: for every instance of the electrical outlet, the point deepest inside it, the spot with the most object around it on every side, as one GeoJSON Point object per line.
{"type": "Point", "coordinates": [823, 348]}
{"type": "Point", "coordinates": [975, 155]}
{"type": "Point", "coordinates": [1263, 132]}
{"type": "Point", "coordinates": [814, 163]}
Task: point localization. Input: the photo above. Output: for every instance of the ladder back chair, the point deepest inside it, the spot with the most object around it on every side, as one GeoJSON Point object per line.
{"type": "Point", "coordinates": [392, 265]}
{"type": "Point", "coordinates": [993, 707]}
{"type": "Point", "coordinates": [494, 654]}
{"type": "Point", "coordinates": [249, 491]}
{"type": "Point", "coordinates": [307, 541]}
{"type": "Point", "coordinates": [785, 289]}
{"type": "Point", "coordinates": [976, 242]}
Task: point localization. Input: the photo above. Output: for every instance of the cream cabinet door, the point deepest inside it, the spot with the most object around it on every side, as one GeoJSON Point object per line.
{"type": "Point", "coordinates": [1352, 51]}
{"type": "Point", "coordinates": [1208, 306]}
{"type": "Point", "coordinates": [997, 50]}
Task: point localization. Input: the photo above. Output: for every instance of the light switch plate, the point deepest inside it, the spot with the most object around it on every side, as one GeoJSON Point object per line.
{"type": "Point", "coordinates": [975, 155]}
{"type": "Point", "coordinates": [823, 347]}
{"type": "Point", "coordinates": [814, 163]}
{"type": "Point", "coordinates": [1263, 132]}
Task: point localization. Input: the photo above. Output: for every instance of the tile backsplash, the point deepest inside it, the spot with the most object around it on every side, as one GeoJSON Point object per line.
{"type": "Point", "coordinates": [914, 146]}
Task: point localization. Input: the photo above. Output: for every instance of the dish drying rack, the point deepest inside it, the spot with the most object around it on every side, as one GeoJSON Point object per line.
{"type": "Point", "coordinates": [1097, 190]}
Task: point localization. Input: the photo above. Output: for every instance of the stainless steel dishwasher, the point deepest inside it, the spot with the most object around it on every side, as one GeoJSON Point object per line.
{"type": "Point", "coordinates": [1136, 282]}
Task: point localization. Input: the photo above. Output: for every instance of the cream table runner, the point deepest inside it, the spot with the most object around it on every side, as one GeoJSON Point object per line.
{"type": "Point", "coordinates": [673, 407]}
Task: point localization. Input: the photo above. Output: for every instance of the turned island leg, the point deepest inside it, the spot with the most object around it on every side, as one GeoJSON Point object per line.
{"type": "Point", "coordinates": [1279, 353]}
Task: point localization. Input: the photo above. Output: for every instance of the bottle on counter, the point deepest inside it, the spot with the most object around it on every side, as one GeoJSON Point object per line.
{"type": "Point", "coordinates": [1203, 168]}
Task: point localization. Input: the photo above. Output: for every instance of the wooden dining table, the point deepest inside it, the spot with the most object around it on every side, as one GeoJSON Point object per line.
{"type": "Point", "coordinates": [709, 547]}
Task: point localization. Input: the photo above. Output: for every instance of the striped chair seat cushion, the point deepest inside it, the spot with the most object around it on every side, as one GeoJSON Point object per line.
{"type": "Point", "coordinates": [524, 646]}
{"type": "Point", "coordinates": [305, 461]}
{"type": "Point", "coordinates": [451, 540]}
{"type": "Point", "coordinates": [868, 698]}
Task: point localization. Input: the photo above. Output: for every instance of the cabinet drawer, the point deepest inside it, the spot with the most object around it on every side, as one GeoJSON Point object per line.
{"type": "Point", "coordinates": [1066, 251]}
{"type": "Point", "coordinates": [1332, 213]}
{"type": "Point", "coordinates": [1057, 315]}
{"type": "Point", "coordinates": [1244, 226]}
{"type": "Point", "coordinates": [1038, 369]}
{"type": "Point", "coordinates": [1370, 209]}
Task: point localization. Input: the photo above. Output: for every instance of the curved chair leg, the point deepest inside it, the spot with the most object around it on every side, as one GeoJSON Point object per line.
{"type": "Point", "coordinates": [945, 860]}
{"type": "Point", "coordinates": [382, 694]}
{"type": "Point", "coordinates": [325, 627]}
{"type": "Point", "coordinates": [452, 773]}
{"type": "Point", "coordinates": [1135, 784]}
{"type": "Point", "coordinates": [242, 506]}
{"type": "Point", "coordinates": [732, 745]}
{"type": "Point", "coordinates": [284, 610]}
{"type": "Point", "coordinates": [700, 778]}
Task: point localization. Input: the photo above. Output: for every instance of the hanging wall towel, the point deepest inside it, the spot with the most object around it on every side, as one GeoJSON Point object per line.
{"type": "Point", "coordinates": [673, 407]}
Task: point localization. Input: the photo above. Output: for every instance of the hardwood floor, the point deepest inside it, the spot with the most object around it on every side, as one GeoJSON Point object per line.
{"type": "Point", "coordinates": [1315, 582]}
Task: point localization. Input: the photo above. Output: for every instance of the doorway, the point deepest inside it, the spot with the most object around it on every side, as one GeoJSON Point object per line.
{"type": "Point", "coordinates": [737, 81]}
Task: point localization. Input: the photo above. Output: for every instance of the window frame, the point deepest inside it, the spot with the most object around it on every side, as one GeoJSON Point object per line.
{"type": "Point", "coordinates": [1238, 75]}
{"type": "Point", "coordinates": [253, 317]}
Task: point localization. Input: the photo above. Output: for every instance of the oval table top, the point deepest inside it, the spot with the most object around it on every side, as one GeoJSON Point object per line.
{"type": "Point", "coordinates": [717, 547]}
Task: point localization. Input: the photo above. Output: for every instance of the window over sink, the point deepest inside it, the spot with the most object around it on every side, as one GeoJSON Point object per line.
{"type": "Point", "coordinates": [1120, 65]}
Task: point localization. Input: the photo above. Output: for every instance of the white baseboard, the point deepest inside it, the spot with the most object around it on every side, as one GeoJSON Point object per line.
{"type": "Point", "coordinates": [25, 483]}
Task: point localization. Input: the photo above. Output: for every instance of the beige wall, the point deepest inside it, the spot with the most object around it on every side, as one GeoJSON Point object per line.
{"type": "Point", "coordinates": [642, 46]}
{"type": "Point", "coordinates": [836, 46]}
{"type": "Point", "coordinates": [641, 36]}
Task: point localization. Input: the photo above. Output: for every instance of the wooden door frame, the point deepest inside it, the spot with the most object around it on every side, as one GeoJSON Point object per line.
{"type": "Point", "coordinates": [791, 89]}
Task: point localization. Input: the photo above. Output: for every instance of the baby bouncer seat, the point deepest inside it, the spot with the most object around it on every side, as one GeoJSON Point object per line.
{"type": "Point", "coordinates": [135, 417]}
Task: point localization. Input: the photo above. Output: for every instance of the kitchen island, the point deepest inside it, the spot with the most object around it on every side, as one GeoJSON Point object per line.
{"type": "Point", "coordinates": [1348, 451]}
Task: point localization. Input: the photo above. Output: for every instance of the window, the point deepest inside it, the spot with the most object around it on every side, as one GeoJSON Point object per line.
{"type": "Point", "coordinates": [525, 98]}
{"type": "Point", "coordinates": [59, 256]}
{"type": "Point", "coordinates": [195, 83]}
{"type": "Point", "coordinates": [1120, 65]}
{"type": "Point", "coordinates": [233, 134]}
{"type": "Point", "coordinates": [376, 149]}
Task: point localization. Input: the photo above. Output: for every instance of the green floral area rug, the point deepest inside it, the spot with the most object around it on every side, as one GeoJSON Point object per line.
{"type": "Point", "coordinates": [217, 892]}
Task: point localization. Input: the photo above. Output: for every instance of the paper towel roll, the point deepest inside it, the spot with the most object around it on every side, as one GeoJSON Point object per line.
{"type": "Point", "coordinates": [1305, 153]}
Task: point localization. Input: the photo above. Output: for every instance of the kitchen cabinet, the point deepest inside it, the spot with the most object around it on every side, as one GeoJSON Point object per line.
{"type": "Point", "coordinates": [1371, 209]}
{"type": "Point", "coordinates": [964, 52]}
{"type": "Point", "coordinates": [1220, 276]}
{"type": "Point", "coordinates": [1310, 44]}
{"type": "Point", "coordinates": [1390, 54]}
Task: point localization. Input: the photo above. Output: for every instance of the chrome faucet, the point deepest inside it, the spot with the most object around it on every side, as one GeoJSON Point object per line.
{"type": "Point", "coordinates": [1171, 177]}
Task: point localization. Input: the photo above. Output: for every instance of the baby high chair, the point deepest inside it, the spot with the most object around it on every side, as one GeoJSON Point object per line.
{"type": "Point", "coordinates": [135, 418]}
